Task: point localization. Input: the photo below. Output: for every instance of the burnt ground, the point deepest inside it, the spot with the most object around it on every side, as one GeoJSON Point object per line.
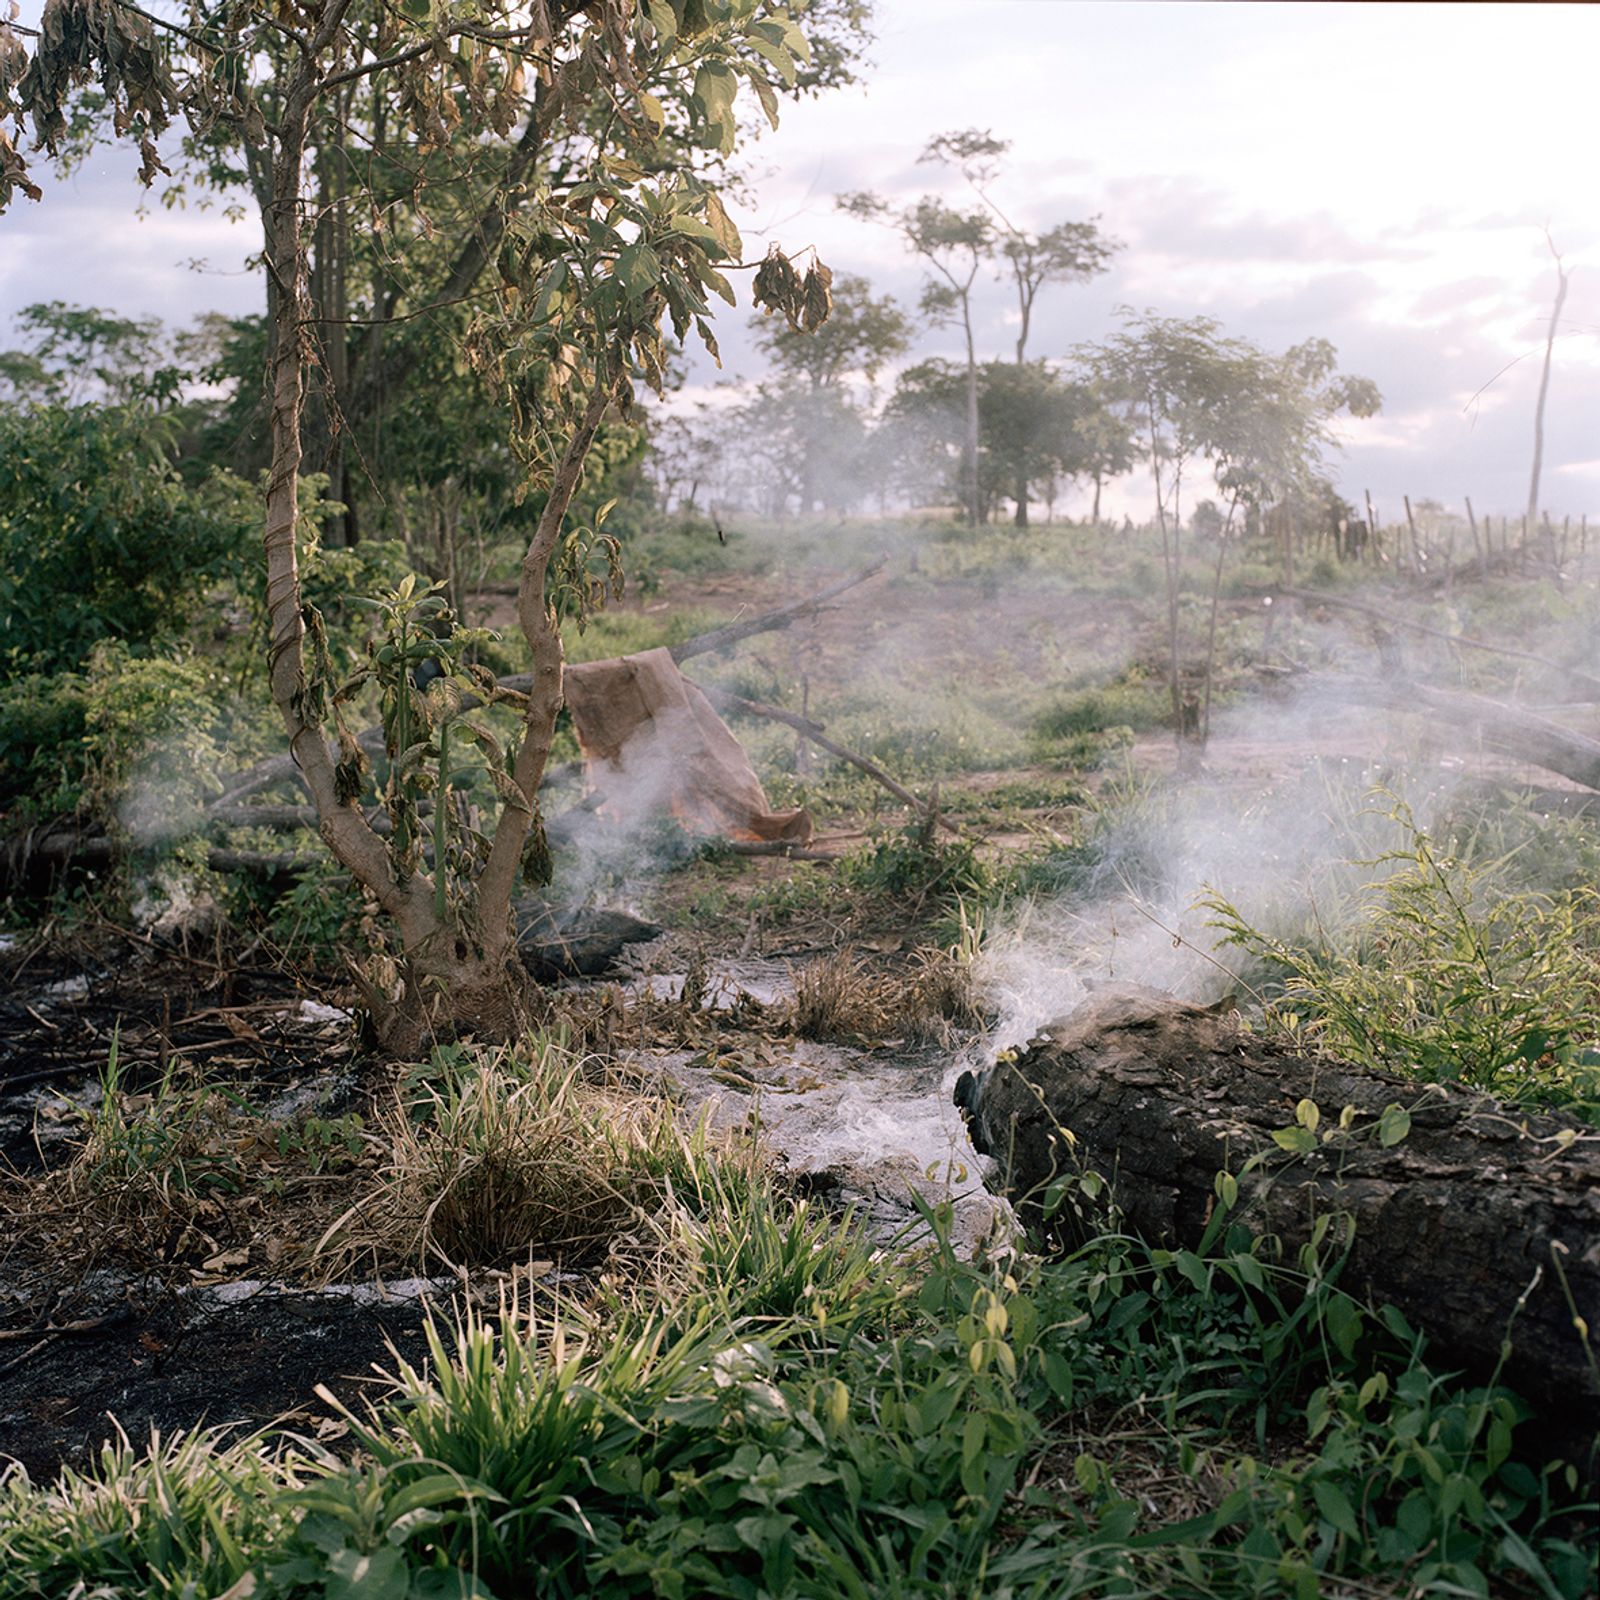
{"type": "Point", "coordinates": [163, 1346]}
{"type": "Point", "coordinates": [171, 1361]}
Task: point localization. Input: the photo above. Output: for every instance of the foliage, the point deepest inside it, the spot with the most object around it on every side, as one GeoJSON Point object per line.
{"type": "Point", "coordinates": [1449, 974]}
{"type": "Point", "coordinates": [1195, 397]}
{"type": "Point", "coordinates": [1035, 429]}
{"type": "Point", "coordinates": [487, 1156]}
{"type": "Point", "coordinates": [99, 536]}
{"type": "Point", "coordinates": [42, 719]}
{"type": "Point", "coordinates": [916, 864]}
{"type": "Point", "coordinates": [871, 1427]}
{"type": "Point", "coordinates": [76, 355]}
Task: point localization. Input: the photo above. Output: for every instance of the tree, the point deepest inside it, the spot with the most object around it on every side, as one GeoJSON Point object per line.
{"type": "Point", "coordinates": [72, 355]}
{"type": "Point", "coordinates": [1259, 423]}
{"type": "Point", "coordinates": [957, 243]}
{"type": "Point", "coordinates": [1105, 435]}
{"type": "Point", "coordinates": [587, 269]}
{"type": "Point", "coordinates": [1029, 426]}
{"type": "Point", "coordinates": [1544, 389]}
{"type": "Point", "coordinates": [807, 406]}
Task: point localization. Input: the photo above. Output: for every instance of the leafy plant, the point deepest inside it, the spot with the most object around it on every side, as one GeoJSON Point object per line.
{"type": "Point", "coordinates": [1447, 974]}
{"type": "Point", "coordinates": [100, 538]}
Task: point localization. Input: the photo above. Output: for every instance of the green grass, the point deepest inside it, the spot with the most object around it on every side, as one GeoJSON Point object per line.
{"type": "Point", "coordinates": [804, 1417]}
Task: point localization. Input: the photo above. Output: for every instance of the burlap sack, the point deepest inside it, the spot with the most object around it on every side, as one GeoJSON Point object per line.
{"type": "Point", "coordinates": [655, 747]}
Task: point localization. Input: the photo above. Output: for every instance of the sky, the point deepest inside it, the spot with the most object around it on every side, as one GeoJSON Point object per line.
{"type": "Point", "coordinates": [1378, 175]}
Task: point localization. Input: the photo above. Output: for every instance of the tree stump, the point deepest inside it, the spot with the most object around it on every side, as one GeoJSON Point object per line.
{"type": "Point", "coordinates": [1453, 1222]}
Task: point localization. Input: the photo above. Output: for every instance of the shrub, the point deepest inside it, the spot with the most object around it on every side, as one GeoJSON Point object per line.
{"type": "Point", "coordinates": [42, 748]}
{"type": "Point", "coordinates": [1449, 973]}
{"type": "Point", "coordinates": [100, 538]}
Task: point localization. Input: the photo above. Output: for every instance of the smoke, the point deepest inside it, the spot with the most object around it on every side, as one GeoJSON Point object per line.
{"type": "Point", "coordinates": [628, 831]}
{"type": "Point", "coordinates": [1292, 854]}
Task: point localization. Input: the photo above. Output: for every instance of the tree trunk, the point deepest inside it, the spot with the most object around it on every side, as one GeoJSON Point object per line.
{"type": "Point", "coordinates": [471, 988]}
{"type": "Point", "coordinates": [543, 633]}
{"type": "Point", "coordinates": [1544, 389]}
{"type": "Point", "coordinates": [1021, 518]}
{"type": "Point", "coordinates": [1476, 1224]}
{"type": "Point", "coordinates": [974, 513]}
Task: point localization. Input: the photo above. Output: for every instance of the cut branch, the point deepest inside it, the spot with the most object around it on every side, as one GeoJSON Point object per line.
{"type": "Point", "coordinates": [1590, 686]}
{"type": "Point", "coordinates": [1511, 730]}
{"type": "Point", "coordinates": [724, 701]}
{"type": "Point", "coordinates": [768, 621]}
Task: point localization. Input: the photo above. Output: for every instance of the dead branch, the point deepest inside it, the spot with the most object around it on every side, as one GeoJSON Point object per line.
{"type": "Point", "coordinates": [1511, 730]}
{"type": "Point", "coordinates": [768, 621]}
{"type": "Point", "coordinates": [1582, 680]}
{"type": "Point", "coordinates": [724, 701]}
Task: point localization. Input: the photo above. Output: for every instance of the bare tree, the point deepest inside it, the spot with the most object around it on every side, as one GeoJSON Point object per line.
{"type": "Point", "coordinates": [1562, 281]}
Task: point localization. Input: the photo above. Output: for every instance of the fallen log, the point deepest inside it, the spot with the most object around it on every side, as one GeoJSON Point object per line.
{"type": "Point", "coordinates": [1510, 730]}
{"type": "Point", "coordinates": [35, 857]}
{"type": "Point", "coordinates": [1586, 684]}
{"type": "Point", "coordinates": [1477, 1224]}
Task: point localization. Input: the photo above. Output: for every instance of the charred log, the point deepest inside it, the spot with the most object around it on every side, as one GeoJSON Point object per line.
{"type": "Point", "coordinates": [1477, 1224]}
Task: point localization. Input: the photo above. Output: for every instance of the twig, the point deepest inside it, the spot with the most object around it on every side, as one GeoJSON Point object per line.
{"type": "Point", "coordinates": [63, 1330]}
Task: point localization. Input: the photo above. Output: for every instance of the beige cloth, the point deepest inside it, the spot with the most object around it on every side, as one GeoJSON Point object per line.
{"type": "Point", "coordinates": [654, 746]}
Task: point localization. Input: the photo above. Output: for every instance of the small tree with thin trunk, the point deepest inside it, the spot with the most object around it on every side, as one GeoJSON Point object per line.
{"type": "Point", "coordinates": [587, 273]}
{"type": "Point", "coordinates": [1259, 423]}
{"type": "Point", "coordinates": [955, 244]}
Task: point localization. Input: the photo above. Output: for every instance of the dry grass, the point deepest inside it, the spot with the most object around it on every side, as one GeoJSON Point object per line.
{"type": "Point", "coordinates": [841, 999]}
{"type": "Point", "coordinates": [517, 1154]}
{"type": "Point", "coordinates": [172, 1179]}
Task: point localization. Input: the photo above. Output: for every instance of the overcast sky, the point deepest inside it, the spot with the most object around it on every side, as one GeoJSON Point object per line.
{"type": "Point", "coordinates": [1378, 175]}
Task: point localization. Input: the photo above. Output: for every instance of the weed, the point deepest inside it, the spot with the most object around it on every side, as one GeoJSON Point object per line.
{"type": "Point", "coordinates": [500, 1155]}
{"type": "Point", "coordinates": [1449, 975]}
{"type": "Point", "coordinates": [189, 1515]}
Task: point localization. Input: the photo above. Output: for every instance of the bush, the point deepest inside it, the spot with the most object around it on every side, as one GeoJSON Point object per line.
{"type": "Point", "coordinates": [42, 748]}
{"type": "Point", "coordinates": [100, 538]}
{"type": "Point", "coordinates": [1451, 973]}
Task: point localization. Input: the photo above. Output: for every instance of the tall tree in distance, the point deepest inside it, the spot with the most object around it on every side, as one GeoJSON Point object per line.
{"type": "Point", "coordinates": [1259, 424]}
{"type": "Point", "coordinates": [1532, 523]}
{"type": "Point", "coordinates": [955, 244]}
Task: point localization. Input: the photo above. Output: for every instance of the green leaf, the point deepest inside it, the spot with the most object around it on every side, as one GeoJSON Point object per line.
{"type": "Point", "coordinates": [663, 20]}
{"type": "Point", "coordinates": [715, 85]}
{"type": "Point", "coordinates": [1300, 1141]}
{"type": "Point", "coordinates": [638, 269]}
{"type": "Point", "coordinates": [782, 62]}
{"type": "Point", "coordinates": [380, 1576]}
{"type": "Point", "coordinates": [1393, 1125]}
{"type": "Point", "coordinates": [1334, 1505]}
